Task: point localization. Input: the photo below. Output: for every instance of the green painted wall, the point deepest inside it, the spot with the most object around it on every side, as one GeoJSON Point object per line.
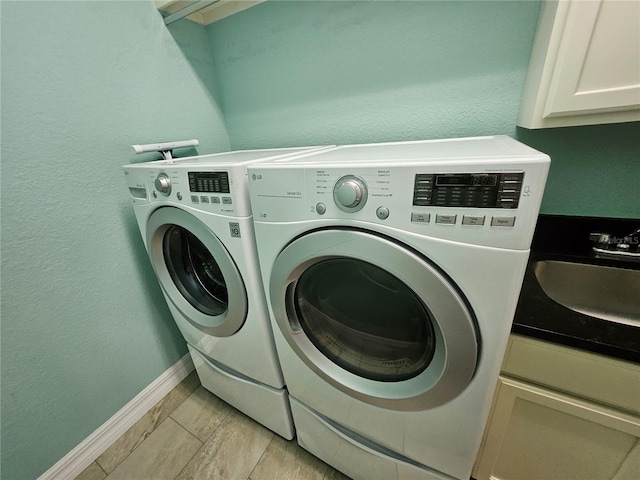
{"type": "Point", "coordinates": [84, 325]}
{"type": "Point", "coordinates": [595, 170]}
{"type": "Point", "coordinates": [310, 72]}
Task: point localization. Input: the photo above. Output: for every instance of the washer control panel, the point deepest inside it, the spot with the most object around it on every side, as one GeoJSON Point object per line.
{"type": "Point", "coordinates": [204, 188]}
{"type": "Point", "coordinates": [209, 182]}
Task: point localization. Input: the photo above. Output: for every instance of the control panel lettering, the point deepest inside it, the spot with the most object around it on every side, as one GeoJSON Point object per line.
{"type": "Point", "coordinates": [475, 190]}
{"type": "Point", "coordinates": [209, 182]}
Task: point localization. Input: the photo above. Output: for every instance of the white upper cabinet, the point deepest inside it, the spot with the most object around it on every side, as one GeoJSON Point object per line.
{"type": "Point", "coordinates": [585, 65]}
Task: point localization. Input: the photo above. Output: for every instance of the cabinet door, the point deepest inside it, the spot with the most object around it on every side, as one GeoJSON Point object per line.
{"type": "Point", "coordinates": [537, 434]}
{"type": "Point", "coordinates": [585, 65]}
{"type": "Point", "coordinates": [577, 373]}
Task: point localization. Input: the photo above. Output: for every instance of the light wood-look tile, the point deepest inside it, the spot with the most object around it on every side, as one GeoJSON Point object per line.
{"type": "Point", "coordinates": [144, 427]}
{"type": "Point", "coordinates": [232, 451]}
{"type": "Point", "coordinates": [201, 413]}
{"type": "Point", "coordinates": [193, 434]}
{"type": "Point", "coordinates": [161, 456]}
{"type": "Point", "coordinates": [333, 474]}
{"type": "Point", "coordinates": [288, 461]}
{"type": "Point", "coordinates": [92, 472]}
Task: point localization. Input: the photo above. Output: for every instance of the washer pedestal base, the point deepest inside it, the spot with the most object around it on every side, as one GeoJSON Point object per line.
{"type": "Point", "coordinates": [266, 405]}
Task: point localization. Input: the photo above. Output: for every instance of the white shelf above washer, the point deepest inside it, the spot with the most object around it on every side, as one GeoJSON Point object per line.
{"type": "Point", "coordinates": [203, 12]}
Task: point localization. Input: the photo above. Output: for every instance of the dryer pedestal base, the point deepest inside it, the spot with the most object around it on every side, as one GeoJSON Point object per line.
{"type": "Point", "coordinates": [348, 455]}
{"type": "Point", "coordinates": [266, 405]}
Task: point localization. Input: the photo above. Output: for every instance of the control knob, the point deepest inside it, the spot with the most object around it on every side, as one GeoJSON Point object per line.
{"type": "Point", "coordinates": [163, 184]}
{"type": "Point", "coordinates": [350, 193]}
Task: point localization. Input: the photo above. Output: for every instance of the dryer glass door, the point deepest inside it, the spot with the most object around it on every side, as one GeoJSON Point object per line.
{"type": "Point", "coordinates": [374, 318]}
{"type": "Point", "coordinates": [365, 319]}
{"type": "Point", "coordinates": [196, 272]}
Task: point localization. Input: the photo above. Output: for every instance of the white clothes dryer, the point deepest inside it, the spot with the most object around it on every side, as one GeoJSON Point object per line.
{"type": "Point", "coordinates": [392, 274]}
{"type": "Point", "coordinates": [195, 219]}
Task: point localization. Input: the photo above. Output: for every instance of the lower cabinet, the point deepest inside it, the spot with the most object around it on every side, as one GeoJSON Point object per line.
{"type": "Point", "coordinates": [541, 432]}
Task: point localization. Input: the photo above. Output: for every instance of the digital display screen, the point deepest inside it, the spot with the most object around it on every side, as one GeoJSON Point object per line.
{"type": "Point", "coordinates": [209, 182]}
{"type": "Point", "coordinates": [466, 180]}
{"type": "Point", "coordinates": [485, 180]}
{"type": "Point", "coordinates": [453, 180]}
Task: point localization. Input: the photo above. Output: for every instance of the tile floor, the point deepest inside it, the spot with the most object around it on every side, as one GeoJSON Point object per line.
{"type": "Point", "coordinates": [192, 434]}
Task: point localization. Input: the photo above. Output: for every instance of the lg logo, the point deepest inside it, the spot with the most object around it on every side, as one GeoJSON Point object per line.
{"type": "Point", "coordinates": [234, 228]}
{"type": "Point", "coordinates": [256, 176]}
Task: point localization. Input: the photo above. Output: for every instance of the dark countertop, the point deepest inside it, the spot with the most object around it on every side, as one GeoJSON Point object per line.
{"type": "Point", "coordinates": [566, 238]}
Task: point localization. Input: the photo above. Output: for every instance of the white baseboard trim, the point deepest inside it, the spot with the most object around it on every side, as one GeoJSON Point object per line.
{"type": "Point", "coordinates": [73, 463]}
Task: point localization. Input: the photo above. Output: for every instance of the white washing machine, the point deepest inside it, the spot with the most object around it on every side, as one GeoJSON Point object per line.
{"type": "Point", "coordinates": [195, 218]}
{"type": "Point", "coordinates": [392, 273]}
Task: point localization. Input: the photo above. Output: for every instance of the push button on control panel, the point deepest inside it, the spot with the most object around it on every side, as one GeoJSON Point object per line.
{"type": "Point", "coordinates": [503, 221]}
{"type": "Point", "coordinates": [473, 219]}
{"type": "Point", "coordinates": [422, 189]}
{"type": "Point", "coordinates": [509, 190]}
{"type": "Point", "coordinates": [446, 219]}
{"type": "Point", "coordinates": [420, 217]}
{"type": "Point", "coordinates": [382, 213]}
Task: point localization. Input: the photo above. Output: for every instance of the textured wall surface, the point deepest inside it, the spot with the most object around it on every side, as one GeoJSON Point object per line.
{"type": "Point", "coordinates": [84, 325]}
{"type": "Point", "coordinates": [595, 170]}
{"type": "Point", "coordinates": [308, 72]}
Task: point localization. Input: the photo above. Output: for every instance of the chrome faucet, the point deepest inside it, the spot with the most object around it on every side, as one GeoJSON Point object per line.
{"type": "Point", "coordinates": [610, 246]}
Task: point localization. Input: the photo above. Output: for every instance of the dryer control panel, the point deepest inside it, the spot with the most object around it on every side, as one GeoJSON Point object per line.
{"type": "Point", "coordinates": [474, 190]}
{"type": "Point", "coordinates": [482, 190]}
{"type": "Point", "coordinates": [494, 206]}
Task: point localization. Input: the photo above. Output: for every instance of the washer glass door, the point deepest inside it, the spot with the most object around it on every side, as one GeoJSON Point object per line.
{"type": "Point", "coordinates": [374, 318]}
{"type": "Point", "coordinates": [196, 272]}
